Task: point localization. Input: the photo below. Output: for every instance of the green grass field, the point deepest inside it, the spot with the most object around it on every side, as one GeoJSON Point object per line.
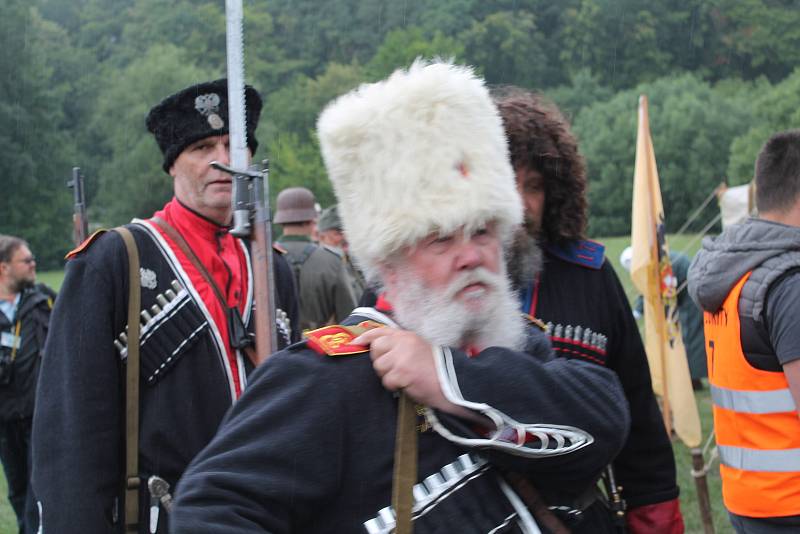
{"type": "Point", "coordinates": [691, 513]}
{"type": "Point", "coordinates": [8, 521]}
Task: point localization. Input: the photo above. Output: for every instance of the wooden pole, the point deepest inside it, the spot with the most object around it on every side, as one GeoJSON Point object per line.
{"type": "Point", "coordinates": [666, 410]}
{"type": "Point", "coordinates": [701, 483]}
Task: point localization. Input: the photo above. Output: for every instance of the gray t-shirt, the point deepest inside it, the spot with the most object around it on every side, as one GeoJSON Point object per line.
{"type": "Point", "coordinates": [783, 318]}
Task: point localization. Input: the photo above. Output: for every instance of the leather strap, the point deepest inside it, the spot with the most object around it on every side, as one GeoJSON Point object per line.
{"type": "Point", "coordinates": [132, 480]}
{"type": "Point", "coordinates": [189, 253]}
{"type": "Point", "coordinates": [535, 503]}
{"type": "Point", "coordinates": [405, 465]}
{"type": "Point", "coordinates": [178, 239]}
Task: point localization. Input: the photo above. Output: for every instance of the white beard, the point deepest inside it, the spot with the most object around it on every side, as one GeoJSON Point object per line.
{"type": "Point", "coordinates": [490, 318]}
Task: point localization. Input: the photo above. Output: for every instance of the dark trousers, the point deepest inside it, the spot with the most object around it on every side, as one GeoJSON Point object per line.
{"type": "Point", "coordinates": [764, 525]}
{"type": "Point", "coordinates": [15, 454]}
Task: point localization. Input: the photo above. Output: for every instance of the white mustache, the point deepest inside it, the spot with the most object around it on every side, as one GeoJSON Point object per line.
{"type": "Point", "coordinates": [480, 275]}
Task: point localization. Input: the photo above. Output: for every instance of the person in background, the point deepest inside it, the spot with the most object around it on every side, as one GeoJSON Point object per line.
{"type": "Point", "coordinates": [323, 285]}
{"type": "Point", "coordinates": [331, 236]}
{"type": "Point", "coordinates": [195, 344]}
{"type": "Point", "coordinates": [565, 281]}
{"type": "Point", "coordinates": [24, 321]}
{"type": "Point", "coordinates": [747, 281]}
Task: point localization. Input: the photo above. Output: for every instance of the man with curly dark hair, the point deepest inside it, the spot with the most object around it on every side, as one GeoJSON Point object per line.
{"type": "Point", "coordinates": [566, 281]}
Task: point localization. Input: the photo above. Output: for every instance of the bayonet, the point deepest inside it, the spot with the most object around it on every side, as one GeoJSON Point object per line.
{"type": "Point", "coordinates": [250, 205]}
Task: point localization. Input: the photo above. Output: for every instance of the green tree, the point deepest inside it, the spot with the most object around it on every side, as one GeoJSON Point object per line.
{"type": "Point", "coordinates": [294, 108]}
{"type": "Point", "coordinates": [585, 90]}
{"type": "Point", "coordinates": [756, 37]}
{"type": "Point", "coordinates": [508, 47]}
{"type": "Point", "coordinates": [402, 46]}
{"type": "Point", "coordinates": [132, 182]}
{"type": "Point", "coordinates": [196, 26]}
{"type": "Point", "coordinates": [298, 163]}
{"type": "Point", "coordinates": [341, 31]}
{"type": "Point", "coordinates": [691, 129]}
{"type": "Point", "coordinates": [449, 18]}
{"type": "Point", "coordinates": [290, 123]}
{"type": "Point", "coordinates": [775, 109]}
{"type": "Point", "coordinates": [618, 40]}
{"type": "Point", "coordinates": [34, 150]}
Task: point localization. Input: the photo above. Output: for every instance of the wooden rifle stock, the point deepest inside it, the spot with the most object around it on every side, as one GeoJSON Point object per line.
{"type": "Point", "coordinates": [263, 272]}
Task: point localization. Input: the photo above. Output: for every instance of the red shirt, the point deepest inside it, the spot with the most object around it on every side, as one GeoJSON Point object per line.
{"type": "Point", "coordinates": [223, 257]}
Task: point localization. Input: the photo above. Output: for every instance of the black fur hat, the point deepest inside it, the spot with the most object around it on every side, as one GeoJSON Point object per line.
{"type": "Point", "coordinates": [196, 112]}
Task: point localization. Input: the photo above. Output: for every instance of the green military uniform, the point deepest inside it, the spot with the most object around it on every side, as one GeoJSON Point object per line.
{"type": "Point", "coordinates": [329, 220]}
{"type": "Point", "coordinates": [323, 285]}
{"type": "Point", "coordinates": [357, 282]}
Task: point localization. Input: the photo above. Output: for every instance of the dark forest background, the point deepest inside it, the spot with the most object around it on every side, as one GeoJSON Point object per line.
{"type": "Point", "coordinates": [80, 75]}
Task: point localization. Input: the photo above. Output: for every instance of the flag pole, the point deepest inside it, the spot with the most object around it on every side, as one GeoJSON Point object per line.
{"type": "Point", "coordinates": [701, 484]}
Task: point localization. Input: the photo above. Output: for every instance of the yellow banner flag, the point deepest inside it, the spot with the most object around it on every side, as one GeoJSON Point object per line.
{"type": "Point", "coordinates": [652, 275]}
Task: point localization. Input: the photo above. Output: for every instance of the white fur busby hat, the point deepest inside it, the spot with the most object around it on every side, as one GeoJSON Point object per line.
{"type": "Point", "coordinates": [421, 152]}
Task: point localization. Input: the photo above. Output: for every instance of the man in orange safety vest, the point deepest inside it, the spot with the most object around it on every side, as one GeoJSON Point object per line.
{"type": "Point", "coordinates": [747, 280]}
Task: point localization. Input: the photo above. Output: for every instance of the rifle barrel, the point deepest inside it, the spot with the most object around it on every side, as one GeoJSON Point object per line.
{"type": "Point", "coordinates": [80, 221]}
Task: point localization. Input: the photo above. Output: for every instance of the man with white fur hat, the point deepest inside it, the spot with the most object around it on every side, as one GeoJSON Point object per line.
{"type": "Point", "coordinates": [309, 447]}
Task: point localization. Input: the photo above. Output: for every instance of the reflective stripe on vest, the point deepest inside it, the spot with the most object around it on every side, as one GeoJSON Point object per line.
{"type": "Point", "coordinates": [755, 419]}
{"type": "Point", "coordinates": [776, 401]}
{"type": "Point", "coordinates": [778, 461]}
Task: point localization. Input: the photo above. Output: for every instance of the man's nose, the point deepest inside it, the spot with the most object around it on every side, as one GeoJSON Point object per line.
{"type": "Point", "coordinates": [223, 153]}
{"type": "Point", "coordinates": [469, 255]}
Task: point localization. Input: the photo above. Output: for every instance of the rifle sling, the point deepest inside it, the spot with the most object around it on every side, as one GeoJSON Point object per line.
{"type": "Point", "coordinates": [405, 465]}
{"type": "Point", "coordinates": [132, 480]}
{"type": "Point", "coordinates": [535, 503]}
{"type": "Point", "coordinates": [178, 239]}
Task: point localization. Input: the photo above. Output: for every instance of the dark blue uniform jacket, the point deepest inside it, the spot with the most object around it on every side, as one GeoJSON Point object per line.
{"type": "Point", "coordinates": [186, 384]}
{"type": "Point", "coordinates": [309, 447]}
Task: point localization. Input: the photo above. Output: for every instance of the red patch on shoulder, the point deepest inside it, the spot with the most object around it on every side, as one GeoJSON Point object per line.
{"type": "Point", "coordinates": [334, 340]}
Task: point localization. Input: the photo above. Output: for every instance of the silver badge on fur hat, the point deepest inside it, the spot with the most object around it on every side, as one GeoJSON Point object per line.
{"type": "Point", "coordinates": [208, 106]}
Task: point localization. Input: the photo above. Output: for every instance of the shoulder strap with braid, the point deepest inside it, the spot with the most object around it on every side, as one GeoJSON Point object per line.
{"type": "Point", "coordinates": [132, 386]}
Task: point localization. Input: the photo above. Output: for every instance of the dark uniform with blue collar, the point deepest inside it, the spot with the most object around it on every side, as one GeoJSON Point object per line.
{"type": "Point", "coordinates": [580, 298]}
